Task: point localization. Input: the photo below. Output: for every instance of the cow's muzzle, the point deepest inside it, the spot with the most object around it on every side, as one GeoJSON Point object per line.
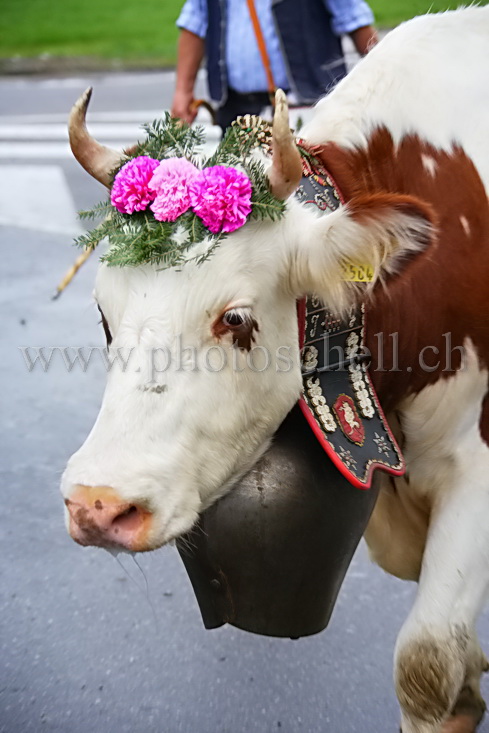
{"type": "Point", "coordinates": [99, 516]}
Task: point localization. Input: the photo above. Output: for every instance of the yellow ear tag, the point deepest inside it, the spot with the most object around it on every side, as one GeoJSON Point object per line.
{"type": "Point", "coordinates": [356, 273]}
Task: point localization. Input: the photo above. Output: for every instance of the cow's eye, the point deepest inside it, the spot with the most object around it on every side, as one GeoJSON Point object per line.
{"type": "Point", "coordinates": [240, 323]}
{"type": "Point", "coordinates": [236, 317]}
{"type": "Point", "coordinates": [105, 325]}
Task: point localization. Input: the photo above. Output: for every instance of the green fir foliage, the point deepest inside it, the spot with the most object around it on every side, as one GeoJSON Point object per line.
{"type": "Point", "coordinates": [139, 238]}
{"type": "Point", "coordinates": [167, 138]}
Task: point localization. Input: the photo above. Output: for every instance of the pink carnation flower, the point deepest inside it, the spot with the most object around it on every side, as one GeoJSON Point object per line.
{"type": "Point", "coordinates": [130, 191]}
{"type": "Point", "coordinates": [221, 196]}
{"type": "Point", "coordinates": [170, 182]}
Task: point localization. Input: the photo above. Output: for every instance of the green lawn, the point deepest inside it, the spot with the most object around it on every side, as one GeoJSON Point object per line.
{"type": "Point", "coordinates": [389, 13]}
{"type": "Point", "coordinates": [133, 31]}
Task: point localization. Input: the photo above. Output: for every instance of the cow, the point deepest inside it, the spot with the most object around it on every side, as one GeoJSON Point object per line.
{"type": "Point", "coordinates": [405, 137]}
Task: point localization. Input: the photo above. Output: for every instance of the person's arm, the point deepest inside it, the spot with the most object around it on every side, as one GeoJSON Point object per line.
{"type": "Point", "coordinates": [354, 18]}
{"type": "Point", "coordinates": [364, 38]}
{"type": "Point", "coordinates": [192, 22]}
{"type": "Point", "coordinates": [189, 57]}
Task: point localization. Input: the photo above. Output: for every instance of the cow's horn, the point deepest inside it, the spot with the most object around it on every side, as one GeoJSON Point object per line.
{"type": "Point", "coordinates": [97, 159]}
{"type": "Point", "coordinates": [286, 169]}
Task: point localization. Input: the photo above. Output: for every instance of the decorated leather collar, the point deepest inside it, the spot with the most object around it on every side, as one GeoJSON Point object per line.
{"type": "Point", "coordinates": [339, 400]}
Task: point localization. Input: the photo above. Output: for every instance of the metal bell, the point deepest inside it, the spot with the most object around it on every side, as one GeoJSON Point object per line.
{"type": "Point", "coordinates": [270, 556]}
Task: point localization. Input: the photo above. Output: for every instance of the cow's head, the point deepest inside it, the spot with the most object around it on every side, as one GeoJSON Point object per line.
{"type": "Point", "coordinates": [211, 352]}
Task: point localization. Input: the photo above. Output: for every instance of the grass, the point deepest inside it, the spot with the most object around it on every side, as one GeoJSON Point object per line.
{"type": "Point", "coordinates": [136, 32]}
{"type": "Point", "coordinates": [131, 30]}
{"type": "Point", "coordinates": [389, 13]}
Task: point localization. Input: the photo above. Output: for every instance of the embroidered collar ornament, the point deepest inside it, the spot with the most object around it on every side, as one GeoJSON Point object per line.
{"type": "Point", "coordinates": [163, 199]}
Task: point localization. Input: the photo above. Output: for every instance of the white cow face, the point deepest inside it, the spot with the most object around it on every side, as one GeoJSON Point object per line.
{"type": "Point", "coordinates": [211, 369]}
{"type": "Point", "coordinates": [211, 352]}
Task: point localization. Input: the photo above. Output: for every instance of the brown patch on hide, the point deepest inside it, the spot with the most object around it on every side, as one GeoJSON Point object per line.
{"type": "Point", "coordinates": [243, 336]}
{"type": "Point", "coordinates": [440, 297]}
{"type": "Point", "coordinates": [365, 207]}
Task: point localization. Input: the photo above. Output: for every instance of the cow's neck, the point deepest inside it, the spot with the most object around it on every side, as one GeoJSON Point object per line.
{"type": "Point", "coordinates": [443, 290]}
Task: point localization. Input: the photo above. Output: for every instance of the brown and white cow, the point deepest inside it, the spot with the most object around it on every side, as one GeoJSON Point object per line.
{"type": "Point", "coordinates": [405, 135]}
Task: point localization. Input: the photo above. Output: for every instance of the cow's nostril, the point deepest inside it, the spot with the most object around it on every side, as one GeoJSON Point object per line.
{"type": "Point", "coordinates": [128, 520]}
{"type": "Point", "coordinates": [99, 516]}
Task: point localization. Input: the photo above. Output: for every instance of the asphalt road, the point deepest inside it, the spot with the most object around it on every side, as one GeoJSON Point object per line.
{"type": "Point", "coordinates": [89, 645]}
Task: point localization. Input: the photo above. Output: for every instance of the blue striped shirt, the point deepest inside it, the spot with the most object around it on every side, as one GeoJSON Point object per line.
{"type": "Point", "coordinates": [245, 70]}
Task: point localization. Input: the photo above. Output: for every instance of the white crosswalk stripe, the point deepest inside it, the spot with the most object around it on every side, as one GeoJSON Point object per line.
{"type": "Point", "coordinates": [57, 131]}
{"type": "Point", "coordinates": [34, 190]}
{"type": "Point", "coordinates": [44, 137]}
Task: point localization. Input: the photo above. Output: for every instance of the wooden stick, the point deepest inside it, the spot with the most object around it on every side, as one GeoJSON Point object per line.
{"type": "Point", "coordinates": [72, 271]}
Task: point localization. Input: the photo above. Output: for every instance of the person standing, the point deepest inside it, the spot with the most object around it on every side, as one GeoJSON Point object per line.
{"type": "Point", "coordinates": [303, 43]}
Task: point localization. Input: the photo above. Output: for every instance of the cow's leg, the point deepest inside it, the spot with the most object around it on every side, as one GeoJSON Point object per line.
{"type": "Point", "coordinates": [437, 653]}
{"type": "Point", "coordinates": [396, 537]}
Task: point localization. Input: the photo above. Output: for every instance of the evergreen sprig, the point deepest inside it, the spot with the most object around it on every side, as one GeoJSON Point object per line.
{"type": "Point", "coordinates": [139, 238]}
{"type": "Point", "coordinates": [167, 137]}
{"type": "Point", "coordinates": [103, 208]}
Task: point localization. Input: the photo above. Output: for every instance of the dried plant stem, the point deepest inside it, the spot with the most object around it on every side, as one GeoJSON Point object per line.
{"type": "Point", "coordinates": [72, 271]}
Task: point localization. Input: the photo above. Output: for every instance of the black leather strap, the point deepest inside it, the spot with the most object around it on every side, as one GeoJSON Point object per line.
{"type": "Point", "coordinates": [339, 401]}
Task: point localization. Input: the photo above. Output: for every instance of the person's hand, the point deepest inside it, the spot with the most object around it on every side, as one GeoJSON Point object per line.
{"type": "Point", "coordinates": [182, 106]}
{"type": "Point", "coordinates": [364, 38]}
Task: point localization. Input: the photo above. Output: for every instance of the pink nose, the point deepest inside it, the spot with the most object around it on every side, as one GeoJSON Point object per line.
{"type": "Point", "coordinates": [100, 517]}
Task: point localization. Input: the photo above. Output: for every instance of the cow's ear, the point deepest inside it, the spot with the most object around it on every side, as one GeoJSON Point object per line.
{"type": "Point", "coordinates": [379, 231]}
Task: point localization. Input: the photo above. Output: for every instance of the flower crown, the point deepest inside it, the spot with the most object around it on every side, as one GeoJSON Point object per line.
{"type": "Point", "coordinates": [162, 201]}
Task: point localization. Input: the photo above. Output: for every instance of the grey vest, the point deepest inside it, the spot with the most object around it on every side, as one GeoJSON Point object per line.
{"type": "Point", "coordinates": [312, 52]}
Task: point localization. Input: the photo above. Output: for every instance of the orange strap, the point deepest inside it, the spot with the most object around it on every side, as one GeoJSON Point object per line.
{"type": "Point", "coordinates": [263, 50]}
